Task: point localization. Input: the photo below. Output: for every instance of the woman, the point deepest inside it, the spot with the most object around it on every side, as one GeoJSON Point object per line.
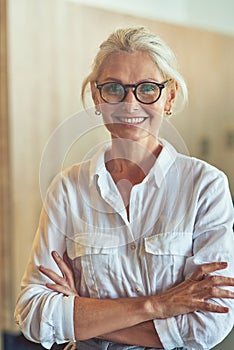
{"type": "Point", "coordinates": [147, 232]}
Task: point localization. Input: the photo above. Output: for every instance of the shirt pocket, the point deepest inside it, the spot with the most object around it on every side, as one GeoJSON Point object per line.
{"type": "Point", "coordinates": [165, 255]}
{"type": "Point", "coordinates": [92, 264]}
{"type": "Point", "coordinates": [76, 249]}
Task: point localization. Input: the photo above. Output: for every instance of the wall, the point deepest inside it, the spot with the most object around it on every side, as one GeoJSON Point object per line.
{"type": "Point", "coordinates": [6, 300]}
{"type": "Point", "coordinates": [51, 45]}
{"type": "Point", "coordinates": [210, 14]}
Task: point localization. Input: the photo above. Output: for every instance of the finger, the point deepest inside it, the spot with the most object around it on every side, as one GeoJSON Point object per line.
{"type": "Point", "coordinates": [60, 285]}
{"type": "Point", "coordinates": [52, 275]}
{"type": "Point", "coordinates": [67, 261]}
{"type": "Point", "coordinates": [214, 292]}
{"type": "Point", "coordinates": [216, 280]}
{"type": "Point", "coordinates": [70, 275]}
{"type": "Point", "coordinates": [210, 292]}
{"type": "Point", "coordinates": [205, 306]}
{"type": "Point", "coordinates": [217, 292]}
{"type": "Point", "coordinates": [204, 269]}
{"type": "Point", "coordinates": [59, 261]}
{"type": "Point", "coordinates": [222, 280]}
{"type": "Point", "coordinates": [61, 289]}
{"type": "Point", "coordinates": [64, 268]}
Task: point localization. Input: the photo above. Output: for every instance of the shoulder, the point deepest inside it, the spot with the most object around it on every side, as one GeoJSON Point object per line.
{"type": "Point", "coordinates": [201, 166]}
{"type": "Point", "coordinates": [186, 164]}
{"type": "Point", "coordinates": [68, 178]}
{"type": "Point", "coordinates": [74, 170]}
{"type": "Point", "coordinates": [204, 175]}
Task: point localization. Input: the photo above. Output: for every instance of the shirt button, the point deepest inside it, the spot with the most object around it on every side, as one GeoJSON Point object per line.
{"type": "Point", "coordinates": [133, 246]}
{"type": "Point", "coordinates": [137, 289]}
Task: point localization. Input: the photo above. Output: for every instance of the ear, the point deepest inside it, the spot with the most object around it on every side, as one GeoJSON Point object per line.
{"type": "Point", "coordinates": [171, 96]}
{"type": "Point", "coordinates": [95, 92]}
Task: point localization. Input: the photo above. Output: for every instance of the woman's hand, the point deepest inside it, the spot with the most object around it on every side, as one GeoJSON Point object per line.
{"type": "Point", "coordinates": [119, 318]}
{"type": "Point", "coordinates": [191, 295]}
{"type": "Point", "coordinates": [65, 284]}
{"type": "Point", "coordinates": [194, 293]}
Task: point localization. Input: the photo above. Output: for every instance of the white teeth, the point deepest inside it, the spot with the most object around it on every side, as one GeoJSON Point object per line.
{"type": "Point", "coordinates": [132, 120]}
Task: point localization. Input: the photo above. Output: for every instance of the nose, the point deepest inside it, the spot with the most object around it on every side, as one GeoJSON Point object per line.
{"type": "Point", "coordinates": [130, 97]}
{"type": "Point", "coordinates": [130, 102]}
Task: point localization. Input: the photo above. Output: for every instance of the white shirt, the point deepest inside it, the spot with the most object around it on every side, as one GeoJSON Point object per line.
{"type": "Point", "coordinates": [180, 216]}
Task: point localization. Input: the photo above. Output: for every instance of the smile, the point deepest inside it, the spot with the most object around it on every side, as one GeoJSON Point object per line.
{"type": "Point", "coordinates": [131, 120]}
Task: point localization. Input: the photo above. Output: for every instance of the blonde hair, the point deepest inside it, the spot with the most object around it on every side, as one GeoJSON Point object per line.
{"type": "Point", "coordinates": [138, 39]}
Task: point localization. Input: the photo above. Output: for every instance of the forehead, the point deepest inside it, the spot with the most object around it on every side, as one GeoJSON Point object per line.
{"type": "Point", "coordinates": [129, 66]}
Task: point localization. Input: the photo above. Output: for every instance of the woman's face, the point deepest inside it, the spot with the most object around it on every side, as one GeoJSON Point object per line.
{"type": "Point", "coordinates": [131, 119]}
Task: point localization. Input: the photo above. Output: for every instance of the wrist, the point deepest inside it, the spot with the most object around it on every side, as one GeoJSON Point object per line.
{"type": "Point", "coordinates": [152, 308]}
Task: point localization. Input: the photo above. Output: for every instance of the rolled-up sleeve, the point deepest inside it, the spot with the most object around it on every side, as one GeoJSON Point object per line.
{"type": "Point", "coordinates": [212, 241]}
{"type": "Point", "coordinates": [45, 316]}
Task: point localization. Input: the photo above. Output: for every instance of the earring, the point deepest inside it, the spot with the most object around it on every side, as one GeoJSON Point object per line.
{"type": "Point", "coordinates": [168, 113]}
{"type": "Point", "coordinates": [97, 112]}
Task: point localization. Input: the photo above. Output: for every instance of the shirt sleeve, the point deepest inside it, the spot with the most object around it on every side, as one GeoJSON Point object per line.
{"type": "Point", "coordinates": [43, 315]}
{"type": "Point", "coordinates": [213, 241]}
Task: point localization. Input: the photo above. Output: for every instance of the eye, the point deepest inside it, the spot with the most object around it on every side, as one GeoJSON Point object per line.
{"type": "Point", "coordinates": [147, 88]}
{"type": "Point", "coordinates": [113, 89]}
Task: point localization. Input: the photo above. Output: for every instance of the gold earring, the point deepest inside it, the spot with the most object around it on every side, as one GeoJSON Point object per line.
{"type": "Point", "coordinates": [168, 113]}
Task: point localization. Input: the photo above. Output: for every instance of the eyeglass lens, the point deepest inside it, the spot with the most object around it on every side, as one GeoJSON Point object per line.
{"type": "Point", "coordinates": [146, 92]}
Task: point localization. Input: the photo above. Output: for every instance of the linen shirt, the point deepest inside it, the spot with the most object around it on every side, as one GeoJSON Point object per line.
{"type": "Point", "coordinates": [180, 216]}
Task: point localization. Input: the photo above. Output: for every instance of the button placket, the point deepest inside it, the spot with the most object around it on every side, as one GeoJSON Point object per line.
{"type": "Point", "coordinates": [135, 286]}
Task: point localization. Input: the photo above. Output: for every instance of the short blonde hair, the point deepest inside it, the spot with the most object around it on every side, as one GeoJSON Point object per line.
{"type": "Point", "coordinates": [138, 39]}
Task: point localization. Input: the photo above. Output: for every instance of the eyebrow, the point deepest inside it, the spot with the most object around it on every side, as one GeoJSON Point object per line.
{"type": "Point", "coordinates": [111, 79]}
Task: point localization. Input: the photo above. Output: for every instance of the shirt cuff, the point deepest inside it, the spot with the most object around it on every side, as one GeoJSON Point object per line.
{"type": "Point", "coordinates": [168, 332]}
{"type": "Point", "coordinates": [64, 321]}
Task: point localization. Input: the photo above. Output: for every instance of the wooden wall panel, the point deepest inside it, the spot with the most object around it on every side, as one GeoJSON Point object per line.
{"type": "Point", "coordinates": [6, 258]}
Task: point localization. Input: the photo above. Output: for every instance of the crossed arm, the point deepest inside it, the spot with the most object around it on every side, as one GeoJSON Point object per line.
{"type": "Point", "coordinates": [130, 320]}
{"type": "Point", "coordinates": [103, 318]}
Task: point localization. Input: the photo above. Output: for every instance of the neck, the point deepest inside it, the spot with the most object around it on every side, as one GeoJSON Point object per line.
{"type": "Point", "coordinates": [131, 157]}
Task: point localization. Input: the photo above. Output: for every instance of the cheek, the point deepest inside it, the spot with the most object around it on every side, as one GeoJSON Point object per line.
{"type": "Point", "coordinates": [156, 114]}
{"type": "Point", "coordinates": [160, 104]}
{"type": "Point", "coordinates": [106, 110]}
{"type": "Point", "coordinates": [156, 122]}
{"type": "Point", "coordinates": [156, 111]}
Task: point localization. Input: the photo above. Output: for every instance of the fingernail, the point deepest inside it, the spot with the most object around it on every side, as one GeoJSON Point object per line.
{"type": "Point", "coordinates": [55, 253]}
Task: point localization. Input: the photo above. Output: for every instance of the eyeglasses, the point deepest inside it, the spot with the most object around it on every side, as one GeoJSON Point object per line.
{"type": "Point", "coordinates": [146, 92]}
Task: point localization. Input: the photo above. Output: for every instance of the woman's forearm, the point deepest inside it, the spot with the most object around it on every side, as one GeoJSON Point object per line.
{"type": "Point", "coordinates": [95, 317]}
{"type": "Point", "coordinates": [143, 334]}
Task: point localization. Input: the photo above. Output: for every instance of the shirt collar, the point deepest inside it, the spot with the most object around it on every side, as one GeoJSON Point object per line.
{"type": "Point", "coordinates": [158, 172]}
{"type": "Point", "coordinates": [163, 163]}
{"type": "Point", "coordinates": [97, 163]}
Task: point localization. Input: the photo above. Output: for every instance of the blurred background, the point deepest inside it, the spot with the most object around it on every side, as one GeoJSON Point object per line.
{"type": "Point", "coordinates": [47, 48]}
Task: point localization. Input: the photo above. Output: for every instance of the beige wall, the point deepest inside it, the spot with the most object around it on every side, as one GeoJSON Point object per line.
{"type": "Point", "coordinates": [6, 295]}
{"type": "Point", "coordinates": [51, 45]}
